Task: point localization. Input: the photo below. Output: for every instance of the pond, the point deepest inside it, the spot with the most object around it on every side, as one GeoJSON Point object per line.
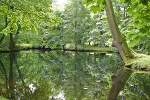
{"type": "Point", "coordinates": [66, 75]}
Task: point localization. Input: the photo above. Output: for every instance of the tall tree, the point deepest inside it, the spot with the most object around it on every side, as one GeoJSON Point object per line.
{"type": "Point", "coordinates": [131, 59]}
{"type": "Point", "coordinates": [76, 22]}
{"type": "Point", "coordinates": [119, 40]}
{"type": "Point", "coordinates": [25, 15]}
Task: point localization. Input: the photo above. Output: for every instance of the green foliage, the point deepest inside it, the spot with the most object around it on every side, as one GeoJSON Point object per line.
{"type": "Point", "coordinates": [136, 10]}
{"type": "Point", "coordinates": [95, 9]}
{"type": "Point", "coordinates": [79, 26]}
{"type": "Point", "coordinates": [130, 19]}
{"type": "Point", "coordinates": [100, 4]}
{"type": "Point", "coordinates": [143, 46]}
{"type": "Point", "coordinates": [134, 41]}
{"type": "Point", "coordinates": [137, 87]}
{"type": "Point", "coordinates": [76, 23]}
{"type": "Point", "coordinates": [27, 14]}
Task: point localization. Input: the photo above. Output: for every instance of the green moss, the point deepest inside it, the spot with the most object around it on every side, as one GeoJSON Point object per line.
{"type": "Point", "coordinates": [139, 62]}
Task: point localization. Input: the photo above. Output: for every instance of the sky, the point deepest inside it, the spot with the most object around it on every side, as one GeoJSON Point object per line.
{"type": "Point", "coordinates": [61, 1]}
{"type": "Point", "coordinates": [60, 4]}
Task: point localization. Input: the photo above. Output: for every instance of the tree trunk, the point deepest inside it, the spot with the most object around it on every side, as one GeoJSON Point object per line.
{"type": "Point", "coordinates": [11, 45]}
{"type": "Point", "coordinates": [118, 39]}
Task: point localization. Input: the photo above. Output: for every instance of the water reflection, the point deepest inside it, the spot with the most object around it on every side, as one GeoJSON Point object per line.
{"type": "Point", "coordinates": [66, 76]}
{"type": "Point", "coordinates": [119, 83]}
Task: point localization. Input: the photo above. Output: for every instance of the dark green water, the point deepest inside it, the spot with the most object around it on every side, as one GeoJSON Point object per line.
{"type": "Point", "coordinates": [58, 75]}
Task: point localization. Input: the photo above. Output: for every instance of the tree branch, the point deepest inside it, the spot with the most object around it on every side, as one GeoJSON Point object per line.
{"type": "Point", "coordinates": [2, 38]}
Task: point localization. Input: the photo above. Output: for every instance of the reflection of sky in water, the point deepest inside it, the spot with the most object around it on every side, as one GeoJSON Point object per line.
{"type": "Point", "coordinates": [60, 96]}
{"type": "Point", "coordinates": [32, 88]}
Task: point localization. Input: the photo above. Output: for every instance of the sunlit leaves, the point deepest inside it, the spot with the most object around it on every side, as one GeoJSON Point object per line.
{"type": "Point", "coordinates": [87, 2]}
{"type": "Point", "coordinates": [137, 24]}
{"type": "Point", "coordinates": [95, 5]}
{"type": "Point", "coordinates": [27, 14]}
{"type": "Point", "coordinates": [129, 10]}
{"type": "Point", "coordinates": [76, 23]}
{"type": "Point", "coordinates": [138, 12]}
{"type": "Point", "coordinates": [134, 41]}
{"type": "Point", "coordinates": [95, 9]}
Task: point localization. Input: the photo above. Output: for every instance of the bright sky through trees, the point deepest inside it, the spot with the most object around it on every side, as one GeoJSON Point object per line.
{"type": "Point", "coordinates": [61, 4]}
{"type": "Point", "coordinates": [61, 1]}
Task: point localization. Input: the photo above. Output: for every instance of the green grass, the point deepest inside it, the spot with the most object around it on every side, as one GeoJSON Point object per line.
{"type": "Point", "coordinates": [2, 98]}
{"type": "Point", "coordinates": [89, 47]}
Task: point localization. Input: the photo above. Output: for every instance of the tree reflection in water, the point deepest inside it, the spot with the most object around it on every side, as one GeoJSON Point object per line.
{"type": "Point", "coordinates": [66, 76]}
{"type": "Point", "coordinates": [119, 83]}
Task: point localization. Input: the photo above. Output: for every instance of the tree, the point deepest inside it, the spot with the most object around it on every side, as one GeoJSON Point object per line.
{"type": "Point", "coordinates": [76, 23]}
{"type": "Point", "coordinates": [130, 58]}
{"type": "Point", "coordinates": [99, 33]}
{"type": "Point", "coordinates": [24, 15]}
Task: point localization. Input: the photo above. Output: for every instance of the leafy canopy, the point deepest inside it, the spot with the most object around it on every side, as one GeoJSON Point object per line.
{"type": "Point", "coordinates": [97, 5]}
{"type": "Point", "coordinates": [29, 14]}
{"type": "Point", "coordinates": [138, 12]}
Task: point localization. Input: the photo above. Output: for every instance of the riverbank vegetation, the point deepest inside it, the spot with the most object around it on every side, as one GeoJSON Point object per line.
{"type": "Point", "coordinates": [82, 25]}
{"type": "Point", "coordinates": [25, 24]}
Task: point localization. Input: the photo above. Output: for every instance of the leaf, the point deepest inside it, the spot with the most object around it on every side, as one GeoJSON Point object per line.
{"type": "Point", "coordinates": [104, 2]}
{"type": "Point", "coordinates": [142, 30]}
{"type": "Point", "coordinates": [14, 26]}
{"type": "Point", "coordinates": [98, 2]}
{"type": "Point", "coordinates": [135, 5]}
{"type": "Point", "coordinates": [33, 28]}
{"type": "Point", "coordinates": [84, 2]}
{"type": "Point", "coordinates": [87, 2]}
{"type": "Point", "coordinates": [142, 38]}
{"type": "Point", "coordinates": [95, 9]}
{"type": "Point", "coordinates": [129, 10]}
{"type": "Point", "coordinates": [137, 24]}
{"type": "Point", "coordinates": [125, 1]}
{"type": "Point", "coordinates": [144, 2]}
{"type": "Point", "coordinates": [137, 14]}
{"type": "Point", "coordinates": [135, 41]}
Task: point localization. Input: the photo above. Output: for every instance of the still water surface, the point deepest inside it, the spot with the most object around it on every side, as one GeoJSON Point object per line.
{"type": "Point", "coordinates": [58, 75]}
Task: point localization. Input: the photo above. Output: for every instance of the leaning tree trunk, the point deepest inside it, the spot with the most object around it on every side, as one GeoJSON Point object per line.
{"type": "Point", "coordinates": [118, 39]}
{"type": "Point", "coordinates": [131, 59]}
